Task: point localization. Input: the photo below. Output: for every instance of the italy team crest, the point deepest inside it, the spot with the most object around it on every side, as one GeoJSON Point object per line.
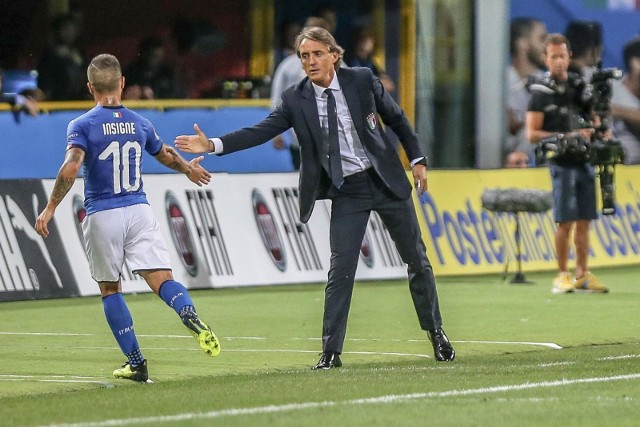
{"type": "Point", "coordinates": [371, 121]}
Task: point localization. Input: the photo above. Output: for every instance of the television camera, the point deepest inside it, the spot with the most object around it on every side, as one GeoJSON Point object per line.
{"type": "Point", "coordinates": [601, 151]}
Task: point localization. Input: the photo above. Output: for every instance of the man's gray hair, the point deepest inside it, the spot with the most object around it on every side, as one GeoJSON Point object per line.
{"type": "Point", "coordinates": [323, 36]}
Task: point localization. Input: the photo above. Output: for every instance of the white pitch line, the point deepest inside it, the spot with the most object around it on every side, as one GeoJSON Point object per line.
{"type": "Point", "coordinates": [392, 398]}
{"type": "Point", "coordinates": [47, 376]}
{"type": "Point", "coordinates": [626, 356]}
{"type": "Point", "coordinates": [52, 334]}
{"type": "Point", "coordinates": [286, 350]}
{"type": "Point", "coordinates": [102, 383]}
{"type": "Point", "coordinates": [71, 379]}
{"type": "Point", "coordinates": [540, 344]}
{"type": "Point", "coordinates": [548, 365]}
{"type": "Point", "coordinates": [278, 350]}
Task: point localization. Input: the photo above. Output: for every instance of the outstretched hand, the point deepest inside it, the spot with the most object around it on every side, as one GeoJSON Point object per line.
{"type": "Point", "coordinates": [197, 174]}
{"type": "Point", "coordinates": [193, 143]}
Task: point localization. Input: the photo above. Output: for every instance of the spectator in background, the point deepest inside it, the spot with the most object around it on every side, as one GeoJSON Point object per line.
{"type": "Point", "coordinates": [288, 73]}
{"type": "Point", "coordinates": [361, 55]}
{"type": "Point", "coordinates": [329, 14]}
{"type": "Point", "coordinates": [149, 76]}
{"type": "Point", "coordinates": [288, 33]}
{"type": "Point", "coordinates": [526, 48]}
{"type": "Point", "coordinates": [625, 103]}
{"type": "Point", "coordinates": [516, 159]}
{"type": "Point", "coordinates": [61, 67]}
{"type": "Point", "coordinates": [19, 102]}
{"type": "Point", "coordinates": [34, 94]}
{"type": "Point", "coordinates": [585, 38]}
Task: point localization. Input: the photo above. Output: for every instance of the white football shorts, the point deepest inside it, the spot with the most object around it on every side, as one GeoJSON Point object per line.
{"type": "Point", "coordinates": [129, 233]}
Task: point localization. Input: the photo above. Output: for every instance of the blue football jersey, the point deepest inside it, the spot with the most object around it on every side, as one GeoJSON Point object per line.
{"type": "Point", "coordinates": [113, 139]}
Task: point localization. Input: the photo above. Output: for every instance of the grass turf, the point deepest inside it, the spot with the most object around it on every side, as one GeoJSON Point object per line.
{"type": "Point", "coordinates": [57, 358]}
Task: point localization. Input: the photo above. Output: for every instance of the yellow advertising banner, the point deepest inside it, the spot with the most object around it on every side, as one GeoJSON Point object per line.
{"type": "Point", "coordinates": [463, 238]}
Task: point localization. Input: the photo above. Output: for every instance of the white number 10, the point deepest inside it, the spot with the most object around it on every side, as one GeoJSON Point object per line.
{"type": "Point", "coordinates": [121, 168]}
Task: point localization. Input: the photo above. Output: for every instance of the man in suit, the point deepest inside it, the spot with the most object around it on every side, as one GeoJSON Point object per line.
{"type": "Point", "coordinates": [346, 158]}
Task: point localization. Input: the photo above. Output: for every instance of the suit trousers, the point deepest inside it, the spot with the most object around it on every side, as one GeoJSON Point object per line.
{"type": "Point", "coordinates": [351, 206]}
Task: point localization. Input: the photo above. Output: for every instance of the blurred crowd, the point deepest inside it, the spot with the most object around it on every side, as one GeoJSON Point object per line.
{"type": "Point", "coordinates": [61, 74]}
{"type": "Point", "coordinates": [526, 48]}
{"type": "Point", "coordinates": [60, 67]}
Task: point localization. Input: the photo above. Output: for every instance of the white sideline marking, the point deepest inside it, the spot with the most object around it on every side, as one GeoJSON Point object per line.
{"type": "Point", "coordinates": [105, 384]}
{"type": "Point", "coordinates": [385, 353]}
{"type": "Point", "coordinates": [256, 350]}
{"type": "Point", "coordinates": [45, 376]}
{"type": "Point", "coordinates": [547, 365]}
{"type": "Point", "coordinates": [626, 356]}
{"type": "Point", "coordinates": [56, 379]}
{"type": "Point", "coordinates": [190, 337]}
{"type": "Point", "coordinates": [541, 344]}
{"type": "Point", "coordinates": [392, 398]}
{"type": "Point", "coordinates": [52, 334]}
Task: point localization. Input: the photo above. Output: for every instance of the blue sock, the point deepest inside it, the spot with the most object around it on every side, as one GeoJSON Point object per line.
{"type": "Point", "coordinates": [176, 296]}
{"type": "Point", "coordinates": [121, 323]}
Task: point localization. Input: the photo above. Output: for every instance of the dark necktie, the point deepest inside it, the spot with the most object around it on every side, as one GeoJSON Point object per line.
{"type": "Point", "coordinates": [335, 162]}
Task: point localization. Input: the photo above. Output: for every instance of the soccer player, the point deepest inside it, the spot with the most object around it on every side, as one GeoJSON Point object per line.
{"type": "Point", "coordinates": [108, 141]}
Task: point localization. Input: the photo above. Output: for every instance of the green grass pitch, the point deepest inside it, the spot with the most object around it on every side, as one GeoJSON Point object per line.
{"type": "Point", "coordinates": [525, 357]}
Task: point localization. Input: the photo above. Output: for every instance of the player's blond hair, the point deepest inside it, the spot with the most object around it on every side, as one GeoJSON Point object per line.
{"type": "Point", "coordinates": [104, 73]}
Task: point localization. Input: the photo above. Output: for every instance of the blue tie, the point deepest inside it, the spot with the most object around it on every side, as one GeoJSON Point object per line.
{"type": "Point", "coordinates": [335, 162]}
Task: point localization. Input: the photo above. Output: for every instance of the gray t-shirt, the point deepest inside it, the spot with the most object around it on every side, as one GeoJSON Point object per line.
{"type": "Point", "coordinates": [630, 142]}
{"type": "Point", "coordinates": [518, 97]}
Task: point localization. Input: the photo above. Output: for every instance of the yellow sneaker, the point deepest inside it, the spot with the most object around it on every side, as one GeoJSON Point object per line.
{"type": "Point", "coordinates": [589, 283]}
{"type": "Point", "coordinates": [562, 284]}
{"type": "Point", "coordinates": [203, 334]}
{"type": "Point", "coordinates": [138, 373]}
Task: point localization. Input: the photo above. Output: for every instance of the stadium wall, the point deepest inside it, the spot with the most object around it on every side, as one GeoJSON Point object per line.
{"type": "Point", "coordinates": [243, 229]}
{"type": "Point", "coordinates": [33, 147]}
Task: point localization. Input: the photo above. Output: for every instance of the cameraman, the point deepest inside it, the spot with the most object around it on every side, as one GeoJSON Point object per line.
{"type": "Point", "coordinates": [560, 105]}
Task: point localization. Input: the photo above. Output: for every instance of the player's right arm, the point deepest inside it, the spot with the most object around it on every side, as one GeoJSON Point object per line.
{"type": "Point", "coordinates": [169, 157]}
{"type": "Point", "coordinates": [64, 181]}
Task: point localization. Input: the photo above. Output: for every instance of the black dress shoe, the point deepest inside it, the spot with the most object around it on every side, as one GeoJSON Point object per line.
{"type": "Point", "coordinates": [442, 348]}
{"type": "Point", "coordinates": [328, 360]}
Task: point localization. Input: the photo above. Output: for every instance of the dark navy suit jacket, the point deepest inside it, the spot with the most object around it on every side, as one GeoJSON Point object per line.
{"type": "Point", "coordinates": [367, 100]}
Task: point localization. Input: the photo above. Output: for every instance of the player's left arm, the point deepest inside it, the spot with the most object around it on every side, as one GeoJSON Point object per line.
{"type": "Point", "coordinates": [64, 181]}
{"type": "Point", "coordinates": [169, 157]}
